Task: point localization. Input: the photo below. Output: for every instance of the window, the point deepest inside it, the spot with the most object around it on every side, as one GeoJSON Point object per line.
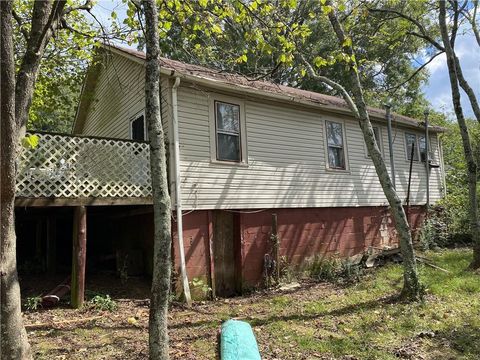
{"type": "Point", "coordinates": [335, 145]}
{"type": "Point", "coordinates": [137, 128]}
{"type": "Point", "coordinates": [423, 148]}
{"type": "Point", "coordinates": [411, 140]}
{"type": "Point", "coordinates": [227, 126]}
{"type": "Point", "coordinates": [378, 139]}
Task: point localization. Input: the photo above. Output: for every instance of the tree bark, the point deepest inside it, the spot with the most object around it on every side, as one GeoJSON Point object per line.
{"type": "Point", "coordinates": [13, 337]}
{"type": "Point", "coordinates": [452, 64]}
{"type": "Point", "coordinates": [158, 334]}
{"type": "Point", "coordinates": [412, 288]}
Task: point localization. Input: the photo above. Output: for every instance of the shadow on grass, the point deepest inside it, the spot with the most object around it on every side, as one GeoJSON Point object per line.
{"type": "Point", "coordinates": [347, 310]}
{"type": "Point", "coordinates": [465, 341]}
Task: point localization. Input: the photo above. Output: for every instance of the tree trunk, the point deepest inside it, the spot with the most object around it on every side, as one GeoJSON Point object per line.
{"type": "Point", "coordinates": [45, 18]}
{"type": "Point", "coordinates": [467, 148]}
{"type": "Point", "coordinates": [158, 335]}
{"type": "Point", "coordinates": [412, 288]}
{"type": "Point", "coordinates": [14, 342]}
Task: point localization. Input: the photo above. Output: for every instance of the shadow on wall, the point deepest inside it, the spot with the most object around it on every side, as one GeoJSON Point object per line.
{"type": "Point", "coordinates": [304, 233]}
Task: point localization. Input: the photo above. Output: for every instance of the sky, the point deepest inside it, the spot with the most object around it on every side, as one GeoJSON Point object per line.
{"type": "Point", "coordinates": [437, 90]}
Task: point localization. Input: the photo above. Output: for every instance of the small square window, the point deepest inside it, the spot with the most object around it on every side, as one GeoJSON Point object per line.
{"type": "Point", "coordinates": [411, 140]}
{"type": "Point", "coordinates": [335, 145]}
{"type": "Point", "coordinates": [227, 121]}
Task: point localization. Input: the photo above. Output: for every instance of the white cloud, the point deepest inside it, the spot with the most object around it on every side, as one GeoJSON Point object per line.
{"type": "Point", "coordinates": [438, 90]}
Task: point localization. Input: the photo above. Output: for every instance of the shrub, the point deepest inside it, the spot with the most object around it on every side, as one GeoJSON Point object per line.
{"type": "Point", "coordinates": [436, 231]}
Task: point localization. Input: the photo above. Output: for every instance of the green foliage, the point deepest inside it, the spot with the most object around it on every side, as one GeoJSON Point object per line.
{"type": "Point", "coordinates": [199, 285]}
{"type": "Point", "coordinates": [102, 303]}
{"type": "Point", "coordinates": [456, 202]}
{"type": "Point", "coordinates": [335, 269]}
{"type": "Point", "coordinates": [30, 141]}
{"type": "Point", "coordinates": [434, 232]}
{"type": "Point", "coordinates": [59, 80]}
{"type": "Point", "coordinates": [261, 40]}
{"type": "Point", "coordinates": [32, 303]}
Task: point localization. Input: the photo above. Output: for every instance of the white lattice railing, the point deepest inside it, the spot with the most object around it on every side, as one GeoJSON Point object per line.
{"type": "Point", "coordinates": [76, 167]}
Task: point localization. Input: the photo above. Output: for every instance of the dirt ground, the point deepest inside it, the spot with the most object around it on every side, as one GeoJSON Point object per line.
{"type": "Point", "coordinates": [63, 333]}
{"type": "Point", "coordinates": [312, 320]}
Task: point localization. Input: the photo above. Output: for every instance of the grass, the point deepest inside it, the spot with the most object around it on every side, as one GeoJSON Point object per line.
{"type": "Point", "coordinates": [322, 321]}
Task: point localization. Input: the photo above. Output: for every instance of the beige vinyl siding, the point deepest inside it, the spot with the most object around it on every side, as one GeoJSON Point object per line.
{"type": "Point", "coordinates": [285, 147]}
{"type": "Point", "coordinates": [119, 97]}
{"type": "Point", "coordinates": [286, 161]}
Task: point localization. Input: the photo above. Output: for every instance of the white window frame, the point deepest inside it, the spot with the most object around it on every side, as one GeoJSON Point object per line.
{"type": "Point", "coordinates": [213, 130]}
{"type": "Point", "coordinates": [345, 146]}
{"type": "Point", "coordinates": [407, 150]}
{"type": "Point", "coordinates": [380, 145]}
{"type": "Point", "coordinates": [132, 119]}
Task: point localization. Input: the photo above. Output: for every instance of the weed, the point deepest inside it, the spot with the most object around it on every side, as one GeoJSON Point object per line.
{"type": "Point", "coordinates": [334, 269]}
{"type": "Point", "coordinates": [103, 303]}
{"type": "Point", "coordinates": [199, 284]}
{"type": "Point", "coordinates": [33, 303]}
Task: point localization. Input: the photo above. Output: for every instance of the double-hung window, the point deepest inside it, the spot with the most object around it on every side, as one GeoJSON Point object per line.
{"type": "Point", "coordinates": [411, 140]}
{"type": "Point", "coordinates": [335, 145]}
{"type": "Point", "coordinates": [227, 131]}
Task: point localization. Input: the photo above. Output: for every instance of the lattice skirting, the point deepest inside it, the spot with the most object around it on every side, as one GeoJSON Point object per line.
{"type": "Point", "coordinates": [71, 167]}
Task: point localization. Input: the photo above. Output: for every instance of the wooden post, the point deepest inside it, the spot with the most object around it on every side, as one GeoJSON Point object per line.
{"type": "Point", "coordinates": [79, 256]}
{"type": "Point", "coordinates": [51, 244]}
{"type": "Point", "coordinates": [276, 247]}
{"type": "Point", "coordinates": [210, 254]}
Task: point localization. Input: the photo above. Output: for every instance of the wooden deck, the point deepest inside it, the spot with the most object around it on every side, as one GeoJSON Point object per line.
{"type": "Point", "coordinates": [65, 170]}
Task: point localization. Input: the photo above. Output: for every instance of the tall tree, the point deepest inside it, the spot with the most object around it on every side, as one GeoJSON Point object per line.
{"type": "Point", "coordinates": [412, 288]}
{"type": "Point", "coordinates": [453, 65]}
{"type": "Point", "coordinates": [20, 69]}
{"type": "Point", "coordinates": [438, 24]}
{"type": "Point", "coordinates": [158, 334]}
{"type": "Point", "coordinates": [14, 343]}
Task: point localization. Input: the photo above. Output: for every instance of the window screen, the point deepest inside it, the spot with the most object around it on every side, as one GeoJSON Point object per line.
{"type": "Point", "coordinates": [336, 153]}
{"type": "Point", "coordinates": [227, 119]}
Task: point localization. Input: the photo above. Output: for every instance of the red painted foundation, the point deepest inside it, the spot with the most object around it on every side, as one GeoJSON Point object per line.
{"type": "Point", "coordinates": [303, 233]}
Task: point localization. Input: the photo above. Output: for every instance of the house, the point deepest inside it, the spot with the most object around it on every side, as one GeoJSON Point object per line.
{"type": "Point", "coordinates": [246, 156]}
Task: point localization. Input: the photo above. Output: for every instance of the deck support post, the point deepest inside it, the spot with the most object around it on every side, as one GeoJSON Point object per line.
{"type": "Point", "coordinates": [79, 256]}
{"type": "Point", "coordinates": [211, 257]}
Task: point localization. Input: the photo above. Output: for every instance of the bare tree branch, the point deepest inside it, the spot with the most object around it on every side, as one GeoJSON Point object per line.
{"type": "Point", "coordinates": [415, 73]}
{"type": "Point", "coordinates": [343, 92]}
